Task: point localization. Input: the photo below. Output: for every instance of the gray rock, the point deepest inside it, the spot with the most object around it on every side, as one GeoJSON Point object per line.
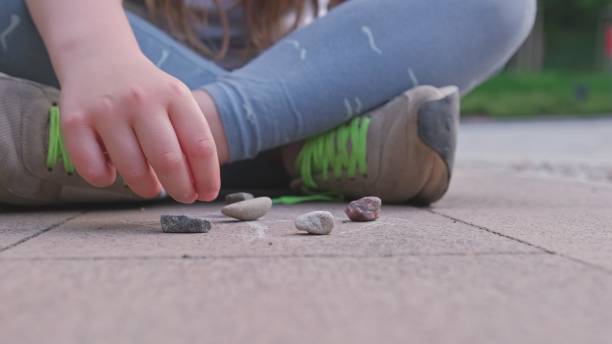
{"type": "Point", "coordinates": [237, 197]}
{"type": "Point", "coordinates": [364, 209]}
{"type": "Point", "coordinates": [316, 222]}
{"type": "Point", "coordinates": [248, 210]}
{"type": "Point", "coordinates": [184, 224]}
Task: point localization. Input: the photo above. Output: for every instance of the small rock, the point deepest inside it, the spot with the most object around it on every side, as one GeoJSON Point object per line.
{"type": "Point", "coordinates": [184, 224]}
{"type": "Point", "coordinates": [316, 222]}
{"type": "Point", "coordinates": [364, 209]}
{"type": "Point", "coordinates": [237, 197]}
{"type": "Point", "coordinates": [248, 210]}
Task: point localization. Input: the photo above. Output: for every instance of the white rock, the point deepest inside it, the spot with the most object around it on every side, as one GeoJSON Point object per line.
{"type": "Point", "coordinates": [316, 222]}
{"type": "Point", "coordinates": [248, 210]}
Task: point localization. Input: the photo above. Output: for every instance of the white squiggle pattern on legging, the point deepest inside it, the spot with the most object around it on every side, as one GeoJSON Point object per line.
{"type": "Point", "coordinates": [250, 115]}
{"type": "Point", "coordinates": [368, 32]}
{"type": "Point", "coordinates": [359, 105]}
{"type": "Point", "coordinates": [413, 77]}
{"type": "Point", "coordinates": [349, 108]}
{"type": "Point", "coordinates": [352, 111]}
{"type": "Point", "coordinates": [164, 56]}
{"type": "Point", "coordinates": [298, 46]}
{"type": "Point", "coordinates": [15, 21]}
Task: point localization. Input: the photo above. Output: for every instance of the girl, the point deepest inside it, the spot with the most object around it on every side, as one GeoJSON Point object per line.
{"type": "Point", "coordinates": [165, 101]}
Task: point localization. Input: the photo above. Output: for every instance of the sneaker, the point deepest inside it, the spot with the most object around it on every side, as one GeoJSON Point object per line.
{"type": "Point", "coordinates": [400, 152]}
{"type": "Point", "coordinates": [36, 170]}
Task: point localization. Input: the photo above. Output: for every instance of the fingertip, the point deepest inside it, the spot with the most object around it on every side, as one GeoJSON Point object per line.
{"type": "Point", "coordinates": [195, 198]}
{"type": "Point", "coordinates": [188, 200]}
{"type": "Point", "coordinates": [98, 177]}
{"type": "Point", "coordinates": [86, 154]}
{"type": "Point", "coordinates": [147, 186]}
{"type": "Point", "coordinates": [209, 197]}
{"type": "Point", "coordinates": [210, 187]}
{"type": "Point", "coordinates": [153, 192]}
{"type": "Point", "coordinates": [188, 197]}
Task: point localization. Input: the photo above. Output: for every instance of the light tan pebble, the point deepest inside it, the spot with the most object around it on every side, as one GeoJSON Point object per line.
{"type": "Point", "coordinates": [248, 210]}
{"type": "Point", "coordinates": [316, 222]}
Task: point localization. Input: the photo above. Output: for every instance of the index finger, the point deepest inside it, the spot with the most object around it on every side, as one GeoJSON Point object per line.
{"type": "Point", "coordinates": [198, 145]}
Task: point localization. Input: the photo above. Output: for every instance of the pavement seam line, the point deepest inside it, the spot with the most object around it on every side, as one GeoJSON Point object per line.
{"type": "Point", "coordinates": [520, 241]}
{"type": "Point", "coordinates": [42, 231]}
{"type": "Point", "coordinates": [545, 250]}
{"type": "Point", "coordinates": [306, 256]}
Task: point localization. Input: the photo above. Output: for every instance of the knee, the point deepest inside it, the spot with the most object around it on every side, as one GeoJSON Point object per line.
{"type": "Point", "coordinates": [495, 31]}
{"type": "Point", "coordinates": [510, 22]}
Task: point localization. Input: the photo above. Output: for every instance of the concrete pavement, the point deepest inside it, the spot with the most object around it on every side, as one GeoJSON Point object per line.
{"type": "Point", "coordinates": [510, 255]}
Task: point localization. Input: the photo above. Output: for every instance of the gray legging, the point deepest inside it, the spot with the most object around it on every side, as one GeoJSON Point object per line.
{"type": "Point", "coordinates": [357, 57]}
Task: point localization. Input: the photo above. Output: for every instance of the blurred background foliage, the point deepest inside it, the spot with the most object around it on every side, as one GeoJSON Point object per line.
{"type": "Point", "coordinates": [562, 69]}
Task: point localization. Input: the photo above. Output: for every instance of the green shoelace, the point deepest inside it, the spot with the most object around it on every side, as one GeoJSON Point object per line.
{"type": "Point", "coordinates": [57, 150]}
{"type": "Point", "coordinates": [330, 151]}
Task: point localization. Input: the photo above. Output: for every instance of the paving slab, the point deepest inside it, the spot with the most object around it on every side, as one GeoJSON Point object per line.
{"type": "Point", "coordinates": [576, 141]}
{"type": "Point", "coordinates": [508, 256]}
{"type": "Point", "coordinates": [578, 149]}
{"type": "Point", "coordinates": [401, 230]}
{"type": "Point", "coordinates": [420, 299]}
{"type": "Point", "coordinates": [566, 217]}
{"type": "Point", "coordinates": [17, 225]}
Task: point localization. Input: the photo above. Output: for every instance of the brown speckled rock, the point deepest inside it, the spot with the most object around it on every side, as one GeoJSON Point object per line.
{"type": "Point", "coordinates": [364, 209]}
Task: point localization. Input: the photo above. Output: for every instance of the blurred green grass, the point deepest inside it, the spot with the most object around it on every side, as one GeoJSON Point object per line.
{"type": "Point", "coordinates": [547, 93]}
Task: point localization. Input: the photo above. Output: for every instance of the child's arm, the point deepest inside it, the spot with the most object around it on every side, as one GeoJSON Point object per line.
{"type": "Point", "coordinates": [80, 29]}
{"type": "Point", "coordinates": [116, 101]}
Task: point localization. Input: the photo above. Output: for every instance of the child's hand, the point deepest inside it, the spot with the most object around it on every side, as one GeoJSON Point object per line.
{"type": "Point", "coordinates": [124, 113]}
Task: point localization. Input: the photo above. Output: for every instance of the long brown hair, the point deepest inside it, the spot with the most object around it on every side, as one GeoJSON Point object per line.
{"type": "Point", "coordinates": [263, 21]}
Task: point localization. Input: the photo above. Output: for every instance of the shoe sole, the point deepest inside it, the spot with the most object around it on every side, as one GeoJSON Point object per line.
{"type": "Point", "coordinates": [438, 124]}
